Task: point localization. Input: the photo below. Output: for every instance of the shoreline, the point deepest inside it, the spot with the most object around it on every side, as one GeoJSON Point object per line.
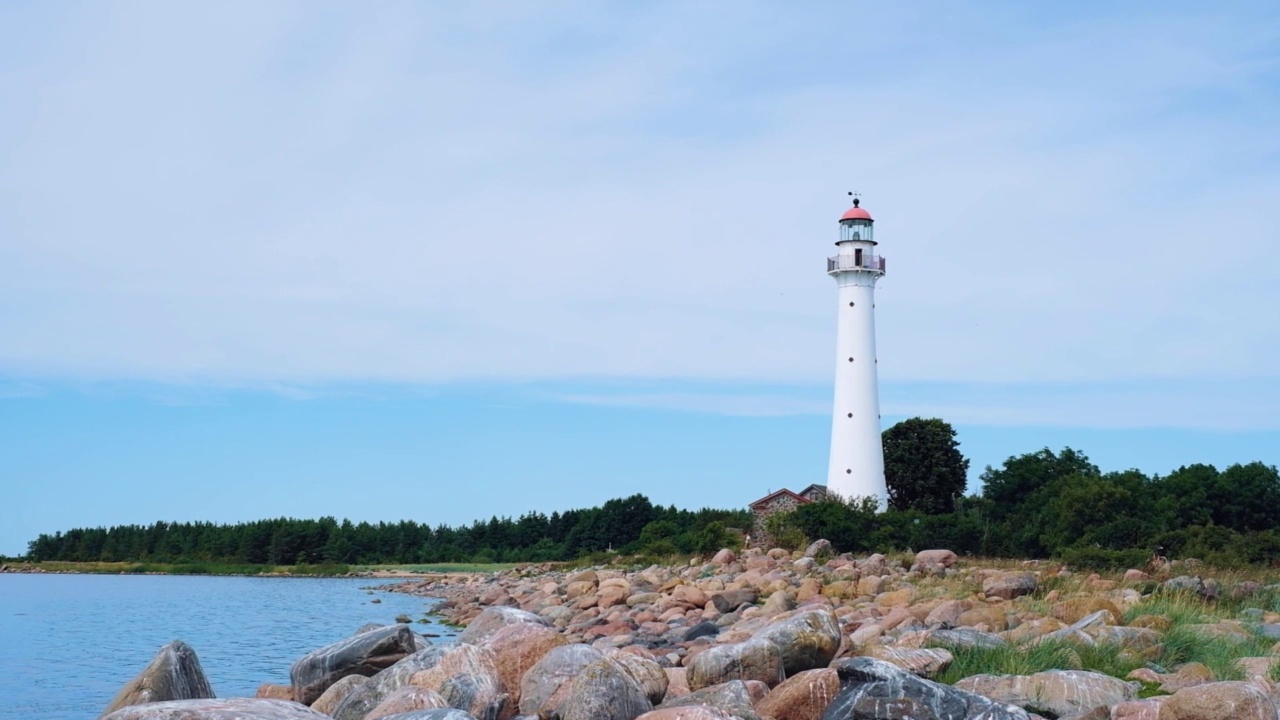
{"type": "Point", "coordinates": [221, 570]}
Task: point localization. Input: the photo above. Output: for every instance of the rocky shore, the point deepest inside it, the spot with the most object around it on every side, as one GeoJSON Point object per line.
{"type": "Point", "coordinates": [781, 636]}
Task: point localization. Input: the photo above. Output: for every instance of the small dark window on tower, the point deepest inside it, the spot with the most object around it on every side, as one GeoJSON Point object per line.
{"type": "Point", "coordinates": [850, 304]}
{"type": "Point", "coordinates": [850, 414]}
{"type": "Point", "coordinates": [848, 472]}
{"type": "Point", "coordinates": [850, 359]}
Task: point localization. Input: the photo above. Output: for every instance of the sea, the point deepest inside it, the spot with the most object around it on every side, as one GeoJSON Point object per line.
{"type": "Point", "coordinates": [69, 642]}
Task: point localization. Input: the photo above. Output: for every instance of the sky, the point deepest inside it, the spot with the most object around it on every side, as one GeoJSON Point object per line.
{"type": "Point", "coordinates": [446, 261]}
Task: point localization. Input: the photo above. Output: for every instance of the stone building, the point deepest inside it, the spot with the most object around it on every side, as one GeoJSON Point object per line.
{"type": "Point", "coordinates": [775, 502]}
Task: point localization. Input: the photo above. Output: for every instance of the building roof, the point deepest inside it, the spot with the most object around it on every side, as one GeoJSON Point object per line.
{"type": "Point", "coordinates": [773, 495]}
{"type": "Point", "coordinates": [814, 486]}
{"type": "Point", "coordinates": [856, 213]}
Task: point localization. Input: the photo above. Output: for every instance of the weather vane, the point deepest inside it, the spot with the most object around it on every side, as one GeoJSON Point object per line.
{"type": "Point", "coordinates": [855, 197]}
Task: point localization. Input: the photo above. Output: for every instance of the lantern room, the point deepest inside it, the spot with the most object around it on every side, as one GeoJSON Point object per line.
{"type": "Point", "coordinates": [855, 225]}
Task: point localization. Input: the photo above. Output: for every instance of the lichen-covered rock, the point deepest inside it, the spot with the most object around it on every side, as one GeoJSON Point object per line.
{"type": "Point", "coordinates": [604, 691]}
{"type": "Point", "coordinates": [467, 678]}
{"type": "Point", "coordinates": [754, 659]}
{"type": "Point", "coordinates": [803, 696]}
{"type": "Point", "coordinates": [545, 685]}
{"type": "Point", "coordinates": [210, 709]}
{"type": "Point", "coordinates": [807, 640]}
{"type": "Point", "coordinates": [733, 697]}
{"type": "Point", "coordinates": [366, 654]}
{"type": "Point", "coordinates": [1218, 701]}
{"type": "Point", "coordinates": [173, 674]}
{"type": "Point", "coordinates": [945, 558]}
{"type": "Point", "coordinates": [873, 689]}
{"type": "Point", "coordinates": [407, 699]}
{"type": "Point", "coordinates": [1073, 610]}
{"type": "Point", "coordinates": [493, 619]}
{"type": "Point", "coordinates": [1059, 693]}
{"type": "Point", "coordinates": [271, 691]}
{"type": "Point", "coordinates": [966, 638]}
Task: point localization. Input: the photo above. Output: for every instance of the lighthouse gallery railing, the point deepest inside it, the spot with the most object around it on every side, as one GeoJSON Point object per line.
{"type": "Point", "coordinates": [849, 262]}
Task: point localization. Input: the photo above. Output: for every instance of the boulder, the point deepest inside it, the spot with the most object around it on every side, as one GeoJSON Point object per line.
{"type": "Point", "coordinates": [407, 699]}
{"type": "Point", "coordinates": [819, 549]}
{"type": "Point", "coordinates": [271, 691]}
{"type": "Point", "coordinates": [731, 600]}
{"type": "Point", "coordinates": [693, 712]}
{"type": "Point", "coordinates": [1057, 693]}
{"type": "Point", "coordinates": [173, 674]}
{"type": "Point", "coordinates": [945, 558]}
{"type": "Point", "coordinates": [647, 674]}
{"type": "Point", "coordinates": [724, 557]}
{"type": "Point", "coordinates": [365, 654]}
{"type": "Point", "coordinates": [1218, 701]}
{"type": "Point", "coordinates": [493, 619]}
{"type": "Point", "coordinates": [368, 695]}
{"type": "Point", "coordinates": [753, 659]}
{"type": "Point", "coordinates": [1075, 609]}
{"type": "Point", "coordinates": [1137, 709]}
{"type": "Point", "coordinates": [925, 662]}
{"type": "Point", "coordinates": [1009, 585]}
{"type": "Point", "coordinates": [807, 640]}
{"type": "Point", "coordinates": [466, 676]}
{"type": "Point", "coordinates": [733, 697]}
{"type": "Point", "coordinates": [518, 647]}
{"type": "Point", "coordinates": [777, 603]}
{"type": "Point", "coordinates": [211, 709]}
{"type": "Point", "coordinates": [438, 714]}
{"type": "Point", "coordinates": [604, 691]}
{"type": "Point", "coordinates": [546, 684]}
{"type": "Point", "coordinates": [336, 693]}
{"type": "Point", "coordinates": [872, 689]}
{"type": "Point", "coordinates": [802, 696]}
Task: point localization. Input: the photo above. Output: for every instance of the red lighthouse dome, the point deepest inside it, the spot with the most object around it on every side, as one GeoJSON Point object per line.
{"type": "Point", "coordinates": [855, 213]}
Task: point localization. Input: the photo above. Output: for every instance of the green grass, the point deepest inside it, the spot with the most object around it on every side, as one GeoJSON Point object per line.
{"type": "Point", "coordinates": [438, 568]}
{"type": "Point", "coordinates": [1029, 658]}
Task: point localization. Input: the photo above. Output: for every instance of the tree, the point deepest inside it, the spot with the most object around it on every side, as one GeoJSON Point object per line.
{"type": "Point", "coordinates": [923, 466]}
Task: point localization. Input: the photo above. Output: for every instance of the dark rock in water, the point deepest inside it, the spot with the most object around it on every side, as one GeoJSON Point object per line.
{"type": "Point", "coordinates": [807, 640]}
{"type": "Point", "coordinates": [754, 659]}
{"type": "Point", "coordinates": [209, 709]}
{"type": "Point", "coordinates": [876, 690]}
{"type": "Point", "coordinates": [493, 619]}
{"type": "Point", "coordinates": [604, 691]}
{"type": "Point", "coordinates": [369, 695]}
{"type": "Point", "coordinates": [363, 654]}
{"type": "Point", "coordinates": [730, 600]}
{"type": "Point", "coordinates": [706, 628]}
{"type": "Point", "coordinates": [173, 674]}
{"type": "Point", "coordinates": [545, 686]}
{"type": "Point", "coordinates": [732, 697]}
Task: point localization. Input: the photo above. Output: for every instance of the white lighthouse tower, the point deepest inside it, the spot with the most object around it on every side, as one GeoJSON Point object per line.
{"type": "Point", "coordinates": [856, 467]}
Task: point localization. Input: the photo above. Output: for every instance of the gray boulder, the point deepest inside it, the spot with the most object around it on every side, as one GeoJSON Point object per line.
{"type": "Point", "coordinates": [467, 678]}
{"type": "Point", "coordinates": [754, 659]}
{"type": "Point", "coordinates": [545, 686]}
{"type": "Point", "coordinates": [1056, 693]}
{"type": "Point", "coordinates": [876, 690]}
{"type": "Point", "coordinates": [173, 674]}
{"type": "Point", "coordinates": [364, 654]}
{"type": "Point", "coordinates": [604, 691]}
{"type": "Point", "coordinates": [807, 640]}
{"type": "Point", "coordinates": [209, 709]}
{"type": "Point", "coordinates": [493, 619]}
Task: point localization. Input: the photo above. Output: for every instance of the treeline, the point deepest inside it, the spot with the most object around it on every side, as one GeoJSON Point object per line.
{"type": "Point", "coordinates": [1046, 504]}
{"type": "Point", "coordinates": [627, 525]}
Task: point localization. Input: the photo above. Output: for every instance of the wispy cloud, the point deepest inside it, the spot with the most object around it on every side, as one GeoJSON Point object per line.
{"type": "Point", "coordinates": [305, 194]}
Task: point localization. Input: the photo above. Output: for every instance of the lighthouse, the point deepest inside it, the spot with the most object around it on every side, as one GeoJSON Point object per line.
{"type": "Point", "coordinates": [856, 467]}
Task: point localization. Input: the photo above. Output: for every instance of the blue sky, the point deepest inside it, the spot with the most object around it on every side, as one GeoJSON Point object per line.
{"type": "Point", "coordinates": [441, 262]}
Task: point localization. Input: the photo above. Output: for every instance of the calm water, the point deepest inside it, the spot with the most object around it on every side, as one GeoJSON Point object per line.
{"type": "Point", "coordinates": [68, 642]}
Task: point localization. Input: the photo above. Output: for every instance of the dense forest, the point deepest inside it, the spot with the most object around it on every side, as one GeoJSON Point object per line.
{"type": "Point", "coordinates": [626, 525]}
{"type": "Point", "coordinates": [1037, 505]}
